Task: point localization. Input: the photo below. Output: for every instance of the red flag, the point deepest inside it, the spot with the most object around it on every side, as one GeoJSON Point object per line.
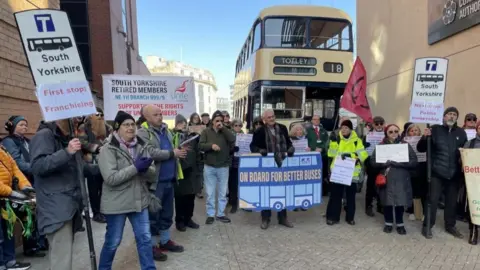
{"type": "Point", "coordinates": [355, 94]}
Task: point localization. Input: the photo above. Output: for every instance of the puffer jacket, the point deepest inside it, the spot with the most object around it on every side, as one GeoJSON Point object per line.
{"type": "Point", "coordinates": [445, 154]}
{"type": "Point", "coordinates": [8, 171]}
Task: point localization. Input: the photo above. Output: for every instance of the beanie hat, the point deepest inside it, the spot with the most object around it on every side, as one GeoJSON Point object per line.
{"type": "Point", "coordinates": [347, 123]}
{"type": "Point", "coordinates": [450, 109]}
{"type": "Point", "coordinates": [378, 119]}
{"type": "Point", "coordinates": [180, 119]}
{"type": "Point", "coordinates": [205, 114]}
{"type": "Point", "coordinates": [388, 126]}
{"type": "Point", "coordinates": [217, 114]}
{"type": "Point", "coordinates": [13, 122]}
{"type": "Point", "coordinates": [120, 118]}
{"type": "Point", "coordinates": [470, 116]}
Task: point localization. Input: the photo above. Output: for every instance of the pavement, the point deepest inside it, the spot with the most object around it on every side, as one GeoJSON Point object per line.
{"type": "Point", "coordinates": [242, 245]}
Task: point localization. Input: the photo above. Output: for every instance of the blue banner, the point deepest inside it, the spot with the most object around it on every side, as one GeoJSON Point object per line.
{"type": "Point", "coordinates": [264, 186]}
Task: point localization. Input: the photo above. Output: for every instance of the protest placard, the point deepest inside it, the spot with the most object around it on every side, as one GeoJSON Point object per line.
{"type": "Point", "coordinates": [300, 145]}
{"type": "Point", "coordinates": [413, 141]}
{"type": "Point", "coordinates": [471, 169]}
{"type": "Point", "coordinates": [342, 172]}
{"type": "Point", "coordinates": [392, 152]}
{"type": "Point", "coordinates": [373, 138]}
{"type": "Point", "coordinates": [243, 143]}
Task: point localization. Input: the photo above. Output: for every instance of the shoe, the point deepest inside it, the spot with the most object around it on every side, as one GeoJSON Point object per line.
{"type": "Point", "coordinates": [473, 239]}
{"type": "Point", "coordinates": [388, 229]}
{"type": "Point", "coordinates": [100, 218]}
{"type": "Point", "coordinates": [158, 255]}
{"type": "Point", "coordinates": [209, 220]}
{"type": "Point", "coordinates": [199, 195]}
{"type": "Point", "coordinates": [453, 231]}
{"type": "Point", "coordinates": [427, 234]}
{"type": "Point", "coordinates": [181, 227]}
{"type": "Point", "coordinates": [265, 224]}
{"type": "Point", "coordinates": [35, 253]}
{"type": "Point", "coordinates": [331, 222]}
{"type": "Point", "coordinates": [304, 209]}
{"type": "Point", "coordinates": [171, 246]}
{"type": "Point", "coordinates": [401, 230]}
{"type": "Point", "coordinates": [369, 211]}
{"type": "Point", "coordinates": [45, 245]}
{"type": "Point", "coordinates": [351, 222]}
{"type": "Point", "coordinates": [19, 266]}
{"type": "Point", "coordinates": [234, 209]}
{"type": "Point", "coordinates": [224, 219]}
{"type": "Point", "coordinates": [192, 224]}
{"type": "Point", "coordinates": [285, 223]}
{"type": "Point", "coordinates": [411, 217]}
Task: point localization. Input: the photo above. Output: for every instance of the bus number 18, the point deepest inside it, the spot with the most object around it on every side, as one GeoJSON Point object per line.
{"type": "Point", "coordinates": [330, 67]}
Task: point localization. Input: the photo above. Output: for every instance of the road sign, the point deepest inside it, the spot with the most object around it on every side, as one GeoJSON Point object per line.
{"type": "Point", "coordinates": [428, 91]}
{"type": "Point", "coordinates": [429, 79]}
{"type": "Point", "coordinates": [50, 46]}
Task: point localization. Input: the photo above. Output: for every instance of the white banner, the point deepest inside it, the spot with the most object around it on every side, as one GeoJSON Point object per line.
{"type": "Point", "coordinates": [172, 94]}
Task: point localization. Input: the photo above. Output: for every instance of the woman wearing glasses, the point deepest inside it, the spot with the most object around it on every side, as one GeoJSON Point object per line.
{"type": "Point", "coordinates": [396, 194]}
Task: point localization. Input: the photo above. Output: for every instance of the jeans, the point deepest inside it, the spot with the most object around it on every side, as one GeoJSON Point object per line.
{"type": "Point", "coordinates": [113, 238]}
{"type": "Point", "coordinates": [7, 247]}
{"type": "Point", "coordinates": [161, 222]}
{"type": "Point", "coordinates": [334, 207]}
{"type": "Point", "coordinates": [388, 215]}
{"type": "Point", "coordinates": [213, 176]}
{"type": "Point", "coordinates": [450, 188]}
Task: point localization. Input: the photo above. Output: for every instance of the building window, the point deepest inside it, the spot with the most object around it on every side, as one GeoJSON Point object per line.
{"type": "Point", "coordinates": [201, 103]}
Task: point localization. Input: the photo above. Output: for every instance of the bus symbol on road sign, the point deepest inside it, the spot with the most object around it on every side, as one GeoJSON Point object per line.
{"type": "Point", "coordinates": [44, 23]}
{"type": "Point", "coordinates": [431, 65]}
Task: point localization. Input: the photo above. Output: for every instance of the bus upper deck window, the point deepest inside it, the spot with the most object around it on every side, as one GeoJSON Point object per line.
{"type": "Point", "coordinates": [285, 32]}
{"type": "Point", "coordinates": [330, 34]}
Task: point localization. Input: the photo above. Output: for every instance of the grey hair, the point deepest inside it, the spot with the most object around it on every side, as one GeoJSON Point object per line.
{"type": "Point", "coordinates": [236, 122]}
{"type": "Point", "coordinates": [268, 111]}
{"type": "Point", "coordinates": [294, 128]}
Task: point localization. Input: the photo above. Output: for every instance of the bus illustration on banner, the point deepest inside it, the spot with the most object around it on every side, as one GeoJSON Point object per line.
{"type": "Point", "coordinates": [264, 186]}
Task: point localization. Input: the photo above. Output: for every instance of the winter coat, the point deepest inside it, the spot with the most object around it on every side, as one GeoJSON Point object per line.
{"type": "Point", "coordinates": [225, 139]}
{"type": "Point", "coordinates": [259, 140]}
{"type": "Point", "coordinates": [57, 185]}
{"type": "Point", "coordinates": [445, 154]}
{"type": "Point", "coordinates": [191, 166]}
{"type": "Point", "coordinates": [124, 189]}
{"type": "Point", "coordinates": [18, 148]}
{"type": "Point", "coordinates": [8, 171]}
{"type": "Point", "coordinates": [398, 190]}
{"type": "Point", "coordinates": [351, 146]}
{"type": "Point", "coordinates": [320, 141]}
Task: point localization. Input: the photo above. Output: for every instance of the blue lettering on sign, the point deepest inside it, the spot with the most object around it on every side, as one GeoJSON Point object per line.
{"type": "Point", "coordinates": [44, 23]}
{"type": "Point", "coordinates": [296, 184]}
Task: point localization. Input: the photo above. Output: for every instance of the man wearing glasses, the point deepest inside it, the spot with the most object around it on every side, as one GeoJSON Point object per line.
{"type": "Point", "coordinates": [92, 133]}
{"type": "Point", "coordinates": [371, 193]}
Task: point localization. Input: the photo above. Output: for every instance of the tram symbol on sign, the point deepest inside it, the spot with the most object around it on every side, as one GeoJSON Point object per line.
{"type": "Point", "coordinates": [44, 23]}
{"type": "Point", "coordinates": [430, 65]}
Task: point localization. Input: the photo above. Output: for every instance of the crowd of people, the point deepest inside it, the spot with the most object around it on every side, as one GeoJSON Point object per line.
{"type": "Point", "coordinates": [151, 174]}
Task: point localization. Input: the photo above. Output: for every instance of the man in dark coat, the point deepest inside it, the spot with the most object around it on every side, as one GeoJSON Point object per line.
{"type": "Point", "coordinates": [59, 199]}
{"type": "Point", "coordinates": [446, 169]}
{"type": "Point", "coordinates": [272, 138]}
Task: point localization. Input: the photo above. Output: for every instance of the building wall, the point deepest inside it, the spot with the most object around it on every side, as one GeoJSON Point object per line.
{"type": "Point", "coordinates": [205, 86]}
{"type": "Point", "coordinates": [17, 95]}
{"type": "Point", "coordinates": [390, 35]}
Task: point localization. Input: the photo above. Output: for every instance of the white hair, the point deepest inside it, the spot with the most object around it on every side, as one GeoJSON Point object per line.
{"type": "Point", "coordinates": [268, 111]}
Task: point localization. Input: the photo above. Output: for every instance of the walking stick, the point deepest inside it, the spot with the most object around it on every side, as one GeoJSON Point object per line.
{"type": "Point", "coordinates": [428, 216]}
{"type": "Point", "coordinates": [85, 202]}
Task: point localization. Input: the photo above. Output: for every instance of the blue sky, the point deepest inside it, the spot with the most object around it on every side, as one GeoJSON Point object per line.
{"type": "Point", "coordinates": [210, 33]}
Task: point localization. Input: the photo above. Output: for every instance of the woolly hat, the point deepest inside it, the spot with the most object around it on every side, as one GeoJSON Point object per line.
{"type": "Point", "coordinates": [388, 126]}
{"type": "Point", "coordinates": [180, 119]}
{"type": "Point", "coordinates": [470, 116]}
{"type": "Point", "coordinates": [378, 119]}
{"type": "Point", "coordinates": [120, 118]}
{"type": "Point", "coordinates": [347, 123]}
{"type": "Point", "coordinates": [450, 109]}
{"type": "Point", "coordinates": [13, 121]}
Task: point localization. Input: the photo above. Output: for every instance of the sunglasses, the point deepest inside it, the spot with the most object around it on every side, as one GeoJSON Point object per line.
{"type": "Point", "coordinates": [379, 123]}
{"type": "Point", "coordinates": [99, 114]}
{"type": "Point", "coordinates": [393, 131]}
{"type": "Point", "coordinates": [238, 125]}
{"type": "Point", "coordinates": [471, 119]}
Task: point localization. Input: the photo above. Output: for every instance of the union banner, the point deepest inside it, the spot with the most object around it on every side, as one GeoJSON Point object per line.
{"type": "Point", "coordinates": [471, 168]}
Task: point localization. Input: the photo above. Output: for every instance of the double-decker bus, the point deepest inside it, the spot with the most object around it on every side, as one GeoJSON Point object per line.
{"type": "Point", "coordinates": [296, 60]}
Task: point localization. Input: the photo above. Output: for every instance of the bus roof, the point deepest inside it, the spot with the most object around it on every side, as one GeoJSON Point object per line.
{"type": "Point", "coordinates": [304, 10]}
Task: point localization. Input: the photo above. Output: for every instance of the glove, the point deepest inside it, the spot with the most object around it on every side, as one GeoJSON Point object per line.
{"type": "Point", "coordinates": [290, 151]}
{"type": "Point", "coordinates": [333, 136]}
{"type": "Point", "coordinates": [263, 152]}
{"type": "Point", "coordinates": [366, 144]}
{"type": "Point", "coordinates": [18, 195]}
{"type": "Point", "coordinates": [389, 163]}
{"type": "Point", "coordinates": [344, 156]}
{"type": "Point", "coordinates": [154, 204]}
{"type": "Point", "coordinates": [142, 164]}
{"type": "Point", "coordinates": [236, 149]}
{"type": "Point", "coordinates": [28, 190]}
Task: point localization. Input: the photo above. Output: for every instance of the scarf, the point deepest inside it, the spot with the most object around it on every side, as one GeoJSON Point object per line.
{"type": "Point", "coordinates": [128, 147]}
{"type": "Point", "coordinates": [386, 141]}
{"type": "Point", "coordinates": [276, 144]}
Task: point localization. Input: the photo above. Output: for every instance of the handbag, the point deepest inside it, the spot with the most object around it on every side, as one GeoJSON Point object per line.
{"type": "Point", "coordinates": [381, 179]}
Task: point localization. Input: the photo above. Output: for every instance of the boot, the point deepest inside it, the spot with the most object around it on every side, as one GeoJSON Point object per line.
{"type": "Point", "coordinates": [472, 240]}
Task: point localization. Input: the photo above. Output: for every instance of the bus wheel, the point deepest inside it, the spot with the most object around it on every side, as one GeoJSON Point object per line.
{"type": "Point", "coordinates": [277, 206]}
{"type": "Point", "coordinates": [39, 49]}
{"type": "Point", "coordinates": [306, 204]}
{"type": "Point", "coordinates": [61, 48]}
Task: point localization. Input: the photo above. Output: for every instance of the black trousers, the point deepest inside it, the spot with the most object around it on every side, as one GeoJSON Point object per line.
{"type": "Point", "coordinates": [95, 183]}
{"type": "Point", "coordinates": [266, 214]}
{"type": "Point", "coordinates": [388, 214]}
{"type": "Point", "coordinates": [334, 207]}
{"type": "Point", "coordinates": [184, 205]}
{"type": "Point", "coordinates": [325, 175]}
{"type": "Point", "coordinates": [450, 189]}
{"type": "Point", "coordinates": [233, 186]}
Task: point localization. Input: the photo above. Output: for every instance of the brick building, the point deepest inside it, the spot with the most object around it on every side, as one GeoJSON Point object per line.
{"type": "Point", "coordinates": [100, 28]}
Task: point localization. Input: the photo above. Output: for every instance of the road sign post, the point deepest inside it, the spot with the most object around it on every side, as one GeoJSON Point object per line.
{"type": "Point", "coordinates": [428, 97]}
{"type": "Point", "coordinates": [58, 73]}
